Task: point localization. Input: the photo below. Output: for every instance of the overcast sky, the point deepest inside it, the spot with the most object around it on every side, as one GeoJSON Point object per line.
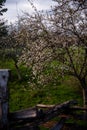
{"type": "Point", "coordinates": [16, 7]}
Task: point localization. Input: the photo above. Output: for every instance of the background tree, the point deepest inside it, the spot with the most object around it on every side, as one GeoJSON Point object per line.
{"type": "Point", "coordinates": [3, 30]}
{"type": "Point", "coordinates": [9, 46]}
{"type": "Point", "coordinates": [12, 46]}
{"type": "Point", "coordinates": [3, 27]}
{"type": "Point", "coordinates": [2, 2]}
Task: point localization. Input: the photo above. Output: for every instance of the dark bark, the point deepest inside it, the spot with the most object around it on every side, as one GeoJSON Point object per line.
{"type": "Point", "coordinates": [85, 102]}
{"type": "Point", "coordinates": [18, 71]}
{"type": "Point", "coordinates": [84, 89]}
{"type": "Point", "coordinates": [83, 83]}
{"type": "Point", "coordinates": [85, 97]}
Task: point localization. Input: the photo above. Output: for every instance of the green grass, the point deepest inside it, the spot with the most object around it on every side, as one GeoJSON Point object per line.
{"type": "Point", "coordinates": [22, 95]}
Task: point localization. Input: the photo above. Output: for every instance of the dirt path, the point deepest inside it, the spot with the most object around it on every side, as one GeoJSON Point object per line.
{"type": "Point", "coordinates": [67, 126]}
{"type": "Point", "coordinates": [73, 127]}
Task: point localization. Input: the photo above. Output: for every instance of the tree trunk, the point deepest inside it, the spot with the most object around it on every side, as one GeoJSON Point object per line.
{"type": "Point", "coordinates": [85, 102]}
{"type": "Point", "coordinates": [84, 89]}
{"type": "Point", "coordinates": [18, 71]}
{"type": "Point", "coordinates": [85, 98]}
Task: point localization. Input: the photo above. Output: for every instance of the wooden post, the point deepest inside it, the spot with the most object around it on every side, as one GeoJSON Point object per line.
{"type": "Point", "coordinates": [4, 75]}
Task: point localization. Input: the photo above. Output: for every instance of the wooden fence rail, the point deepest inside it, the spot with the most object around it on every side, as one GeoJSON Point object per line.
{"type": "Point", "coordinates": [39, 116]}
{"type": "Point", "coordinates": [31, 118]}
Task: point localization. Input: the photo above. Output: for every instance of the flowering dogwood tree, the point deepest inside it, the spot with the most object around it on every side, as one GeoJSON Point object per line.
{"type": "Point", "coordinates": [57, 35]}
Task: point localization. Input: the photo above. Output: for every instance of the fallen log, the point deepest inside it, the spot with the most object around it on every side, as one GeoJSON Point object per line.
{"type": "Point", "coordinates": [76, 108]}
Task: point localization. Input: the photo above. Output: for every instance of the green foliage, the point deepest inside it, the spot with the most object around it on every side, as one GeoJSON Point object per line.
{"type": "Point", "coordinates": [76, 54]}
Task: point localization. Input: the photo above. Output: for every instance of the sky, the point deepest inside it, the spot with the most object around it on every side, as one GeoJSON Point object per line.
{"type": "Point", "coordinates": [17, 7]}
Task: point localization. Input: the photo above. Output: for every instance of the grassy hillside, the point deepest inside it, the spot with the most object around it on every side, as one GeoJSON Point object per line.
{"type": "Point", "coordinates": [22, 95]}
